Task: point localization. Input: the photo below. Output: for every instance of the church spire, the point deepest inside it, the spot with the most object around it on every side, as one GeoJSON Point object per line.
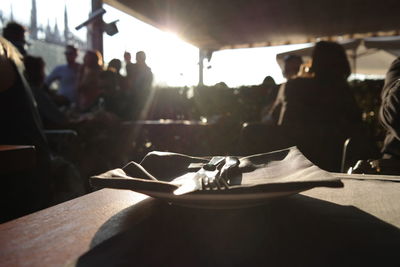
{"type": "Point", "coordinates": [33, 26]}
{"type": "Point", "coordinates": [56, 33]}
{"type": "Point", "coordinates": [12, 13]}
{"type": "Point", "coordinates": [66, 28]}
{"type": "Point", "coordinates": [48, 32]}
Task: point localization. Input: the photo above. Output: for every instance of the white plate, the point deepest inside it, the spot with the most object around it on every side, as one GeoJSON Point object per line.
{"type": "Point", "coordinates": [220, 201]}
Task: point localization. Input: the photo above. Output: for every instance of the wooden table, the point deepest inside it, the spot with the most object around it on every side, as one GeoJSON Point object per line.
{"type": "Point", "coordinates": [352, 226]}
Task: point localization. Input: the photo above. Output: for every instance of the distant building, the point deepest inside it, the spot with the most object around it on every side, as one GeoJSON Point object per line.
{"type": "Point", "coordinates": [33, 29]}
{"type": "Point", "coordinates": [47, 41]}
{"type": "Point", "coordinates": [49, 34]}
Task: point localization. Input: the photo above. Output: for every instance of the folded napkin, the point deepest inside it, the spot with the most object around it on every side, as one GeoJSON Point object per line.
{"type": "Point", "coordinates": [283, 170]}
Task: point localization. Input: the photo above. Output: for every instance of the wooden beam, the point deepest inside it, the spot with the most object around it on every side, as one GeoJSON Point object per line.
{"type": "Point", "coordinates": [96, 29]}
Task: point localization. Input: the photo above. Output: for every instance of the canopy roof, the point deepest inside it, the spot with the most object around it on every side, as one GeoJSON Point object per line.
{"type": "Point", "coordinates": [349, 44]}
{"type": "Point", "coordinates": [220, 24]}
{"type": "Point", "coordinates": [391, 44]}
{"type": "Point", "coordinates": [372, 55]}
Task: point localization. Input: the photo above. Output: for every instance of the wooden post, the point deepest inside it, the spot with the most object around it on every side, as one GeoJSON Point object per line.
{"type": "Point", "coordinates": [96, 28]}
{"type": "Point", "coordinates": [201, 66]}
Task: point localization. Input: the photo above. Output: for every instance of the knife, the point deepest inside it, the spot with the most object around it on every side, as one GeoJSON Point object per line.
{"type": "Point", "coordinates": [191, 182]}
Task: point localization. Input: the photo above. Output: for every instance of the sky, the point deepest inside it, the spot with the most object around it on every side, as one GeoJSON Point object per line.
{"type": "Point", "coordinates": [49, 11]}
{"type": "Point", "coordinates": [173, 61]}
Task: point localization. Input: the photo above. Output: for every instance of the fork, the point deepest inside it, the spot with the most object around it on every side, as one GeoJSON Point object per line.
{"type": "Point", "coordinates": [215, 177]}
{"type": "Point", "coordinates": [209, 173]}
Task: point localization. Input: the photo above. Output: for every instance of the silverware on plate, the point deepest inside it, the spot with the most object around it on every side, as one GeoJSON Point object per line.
{"type": "Point", "coordinates": [211, 176]}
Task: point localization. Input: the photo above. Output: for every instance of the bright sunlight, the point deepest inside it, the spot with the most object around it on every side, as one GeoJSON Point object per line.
{"type": "Point", "coordinates": [175, 62]}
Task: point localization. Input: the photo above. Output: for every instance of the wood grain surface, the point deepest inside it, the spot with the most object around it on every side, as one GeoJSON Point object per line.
{"type": "Point", "coordinates": [61, 234]}
{"type": "Point", "coordinates": [57, 235]}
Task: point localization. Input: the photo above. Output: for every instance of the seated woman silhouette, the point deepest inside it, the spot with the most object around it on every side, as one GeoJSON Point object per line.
{"type": "Point", "coordinates": [324, 96]}
{"type": "Point", "coordinates": [318, 110]}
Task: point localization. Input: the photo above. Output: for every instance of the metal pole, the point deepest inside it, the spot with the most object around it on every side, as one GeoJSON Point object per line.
{"type": "Point", "coordinates": [354, 60]}
{"type": "Point", "coordinates": [201, 66]}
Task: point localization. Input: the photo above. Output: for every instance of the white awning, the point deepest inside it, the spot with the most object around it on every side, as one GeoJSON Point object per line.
{"type": "Point", "coordinates": [369, 56]}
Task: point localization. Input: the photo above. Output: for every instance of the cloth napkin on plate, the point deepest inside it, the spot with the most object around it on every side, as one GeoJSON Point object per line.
{"type": "Point", "coordinates": [285, 169]}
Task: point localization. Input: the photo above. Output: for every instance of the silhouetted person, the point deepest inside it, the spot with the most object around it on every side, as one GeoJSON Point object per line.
{"type": "Point", "coordinates": [390, 111]}
{"type": "Point", "coordinates": [67, 75]}
{"type": "Point", "coordinates": [112, 85]}
{"type": "Point", "coordinates": [319, 111]}
{"type": "Point", "coordinates": [290, 70]}
{"type": "Point", "coordinates": [270, 91]}
{"type": "Point", "coordinates": [114, 66]}
{"type": "Point", "coordinates": [139, 74]}
{"type": "Point", "coordinates": [21, 125]}
{"type": "Point", "coordinates": [89, 87]}
{"type": "Point", "coordinates": [48, 110]}
{"type": "Point", "coordinates": [20, 120]}
{"type": "Point", "coordinates": [128, 62]}
{"type": "Point", "coordinates": [323, 98]}
{"type": "Point", "coordinates": [291, 66]}
{"type": "Point", "coordinates": [139, 82]}
{"type": "Point", "coordinates": [269, 82]}
{"type": "Point", "coordinates": [15, 33]}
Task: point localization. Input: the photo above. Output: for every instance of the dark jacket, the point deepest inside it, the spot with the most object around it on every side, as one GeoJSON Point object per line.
{"type": "Point", "coordinates": [312, 101]}
{"type": "Point", "coordinates": [390, 111]}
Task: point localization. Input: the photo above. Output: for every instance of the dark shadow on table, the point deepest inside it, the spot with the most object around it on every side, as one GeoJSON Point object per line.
{"type": "Point", "coordinates": [293, 231]}
{"type": "Point", "coordinates": [127, 219]}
